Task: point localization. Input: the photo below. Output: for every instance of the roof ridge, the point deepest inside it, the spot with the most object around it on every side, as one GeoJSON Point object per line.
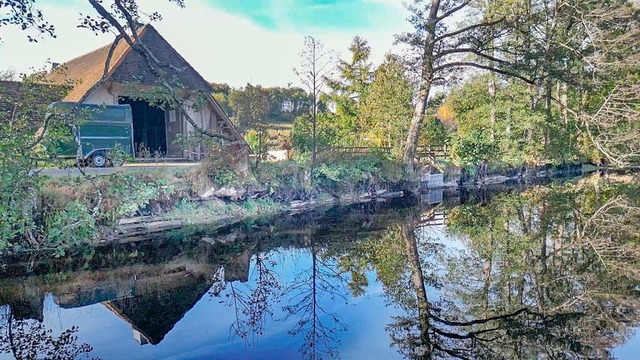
{"type": "Point", "coordinates": [107, 45]}
{"type": "Point", "coordinates": [91, 70]}
{"type": "Point", "coordinates": [181, 57]}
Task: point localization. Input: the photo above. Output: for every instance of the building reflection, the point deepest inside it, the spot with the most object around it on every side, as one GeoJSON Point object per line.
{"type": "Point", "coordinates": [152, 299]}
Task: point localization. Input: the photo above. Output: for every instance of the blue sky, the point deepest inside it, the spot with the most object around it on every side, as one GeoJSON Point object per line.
{"type": "Point", "coordinates": [327, 14]}
{"type": "Point", "coordinates": [232, 41]}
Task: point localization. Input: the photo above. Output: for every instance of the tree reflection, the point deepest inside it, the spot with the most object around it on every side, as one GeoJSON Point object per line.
{"type": "Point", "coordinates": [30, 339]}
{"type": "Point", "coordinates": [315, 321]}
{"type": "Point", "coordinates": [253, 303]}
{"type": "Point", "coordinates": [547, 273]}
{"type": "Point", "coordinates": [566, 254]}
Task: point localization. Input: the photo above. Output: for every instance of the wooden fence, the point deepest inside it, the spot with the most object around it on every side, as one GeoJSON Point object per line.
{"type": "Point", "coordinates": [433, 151]}
{"type": "Point", "coordinates": [354, 150]}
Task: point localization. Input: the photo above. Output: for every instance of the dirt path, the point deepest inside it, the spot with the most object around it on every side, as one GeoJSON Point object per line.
{"type": "Point", "coordinates": [127, 168]}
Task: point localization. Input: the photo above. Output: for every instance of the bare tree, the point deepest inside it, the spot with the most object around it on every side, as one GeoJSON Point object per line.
{"type": "Point", "coordinates": [8, 75]}
{"type": "Point", "coordinates": [612, 125]}
{"type": "Point", "coordinates": [316, 67]}
{"type": "Point", "coordinates": [318, 325]}
{"type": "Point", "coordinates": [253, 305]}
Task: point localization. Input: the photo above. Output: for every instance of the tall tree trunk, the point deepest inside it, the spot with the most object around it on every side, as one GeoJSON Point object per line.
{"type": "Point", "coordinates": [315, 137]}
{"type": "Point", "coordinates": [417, 280]}
{"type": "Point", "coordinates": [492, 85]}
{"type": "Point", "coordinates": [492, 88]}
{"type": "Point", "coordinates": [426, 80]}
{"type": "Point", "coordinates": [416, 124]}
{"type": "Point", "coordinates": [314, 120]}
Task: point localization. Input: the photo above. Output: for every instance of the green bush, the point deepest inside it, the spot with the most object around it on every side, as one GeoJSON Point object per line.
{"type": "Point", "coordinates": [71, 226]}
{"type": "Point", "coordinates": [473, 148]}
{"type": "Point", "coordinates": [222, 167]}
{"type": "Point", "coordinates": [358, 174]}
{"type": "Point", "coordinates": [135, 194]}
{"type": "Point", "coordinates": [285, 180]}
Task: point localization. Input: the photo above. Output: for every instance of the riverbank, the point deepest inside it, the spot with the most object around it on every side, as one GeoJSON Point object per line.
{"type": "Point", "coordinates": [130, 207]}
{"type": "Point", "coordinates": [65, 212]}
{"type": "Point", "coordinates": [212, 211]}
{"type": "Point", "coordinates": [177, 232]}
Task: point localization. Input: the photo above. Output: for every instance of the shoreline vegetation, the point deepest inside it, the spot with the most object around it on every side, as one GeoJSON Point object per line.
{"type": "Point", "coordinates": [94, 210]}
{"type": "Point", "coordinates": [181, 228]}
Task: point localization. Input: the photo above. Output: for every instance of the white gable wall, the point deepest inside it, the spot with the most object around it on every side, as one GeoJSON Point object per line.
{"type": "Point", "coordinates": [102, 96]}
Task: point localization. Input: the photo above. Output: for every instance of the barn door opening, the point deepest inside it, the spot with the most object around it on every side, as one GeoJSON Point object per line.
{"type": "Point", "coordinates": [149, 130]}
{"type": "Point", "coordinates": [175, 146]}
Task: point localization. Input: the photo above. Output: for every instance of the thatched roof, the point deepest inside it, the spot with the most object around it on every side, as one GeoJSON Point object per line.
{"type": "Point", "coordinates": [128, 66]}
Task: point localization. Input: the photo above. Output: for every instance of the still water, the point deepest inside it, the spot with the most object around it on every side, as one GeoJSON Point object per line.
{"type": "Point", "coordinates": [529, 273]}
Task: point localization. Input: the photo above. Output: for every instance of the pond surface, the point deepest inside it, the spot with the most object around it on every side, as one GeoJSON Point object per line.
{"type": "Point", "coordinates": [543, 272]}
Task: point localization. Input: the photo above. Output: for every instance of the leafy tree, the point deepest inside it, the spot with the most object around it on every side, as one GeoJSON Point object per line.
{"type": "Point", "coordinates": [251, 108]}
{"type": "Point", "coordinates": [503, 128]}
{"type": "Point", "coordinates": [435, 132]}
{"type": "Point", "coordinates": [327, 133]}
{"type": "Point", "coordinates": [28, 134]}
{"type": "Point", "coordinates": [221, 93]}
{"type": "Point", "coordinates": [386, 108]}
{"type": "Point", "coordinates": [437, 47]}
{"type": "Point", "coordinates": [287, 103]}
{"type": "Point", "coordinates": [577, 57]}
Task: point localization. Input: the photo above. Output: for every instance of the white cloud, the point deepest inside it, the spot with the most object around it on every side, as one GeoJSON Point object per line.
{"type": "Point", "coordinates": [222, 47]}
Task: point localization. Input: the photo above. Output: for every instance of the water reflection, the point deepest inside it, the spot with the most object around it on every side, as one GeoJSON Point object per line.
{"type": "Point", "coordinates": [544, 272]}
{"type": "Point", "coordinates": [30, 339]}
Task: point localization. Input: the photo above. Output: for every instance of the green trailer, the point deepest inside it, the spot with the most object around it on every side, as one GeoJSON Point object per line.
{"type": "Point", "coordinates": [102, 135]}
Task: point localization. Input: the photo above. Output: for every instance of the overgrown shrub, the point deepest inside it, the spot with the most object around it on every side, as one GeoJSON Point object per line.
{"type": "Point", "coordinates": [364, 173]}
{"type": "Point", "coordinates": [73, 225]}
{"type": "Point", "coordinates": [221, 167]}
{"type": "Point", "coordinates": [285, 181]}
{"type": "Point", "coordinates": [24, 134]}
{"type": "Point", "coordinates": [135, 194]}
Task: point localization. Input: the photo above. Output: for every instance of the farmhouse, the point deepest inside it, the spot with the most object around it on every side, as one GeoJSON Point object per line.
{"type": "Point", "coordinates": [158, 129]}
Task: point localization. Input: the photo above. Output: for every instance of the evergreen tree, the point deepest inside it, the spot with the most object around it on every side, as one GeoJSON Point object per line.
{"type": "Point", "coordinates": [350, 87]}
{"type": "Point", "coordinates": [385, 112]}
